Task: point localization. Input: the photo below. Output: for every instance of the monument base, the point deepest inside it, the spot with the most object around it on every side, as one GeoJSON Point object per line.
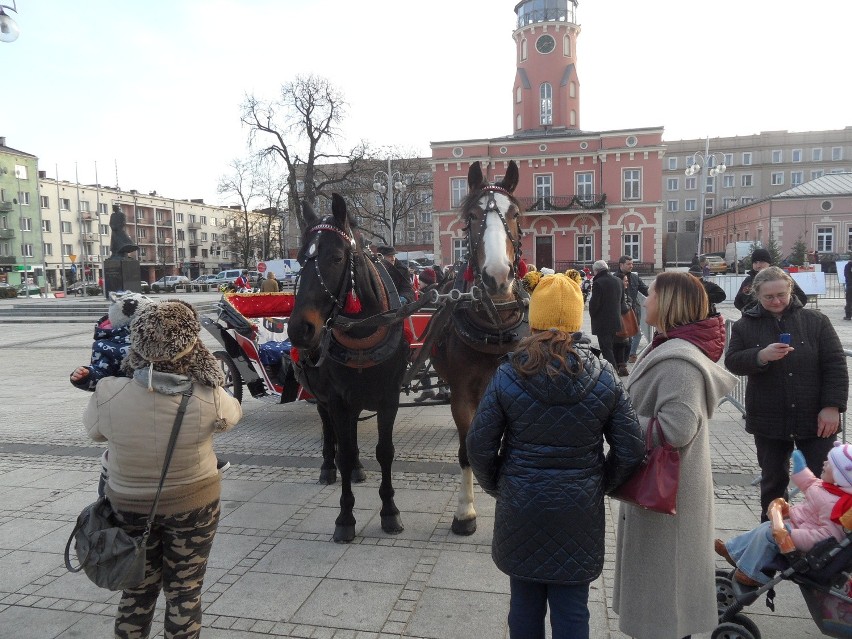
{"type": "Point", "coordinates": [122, 274]}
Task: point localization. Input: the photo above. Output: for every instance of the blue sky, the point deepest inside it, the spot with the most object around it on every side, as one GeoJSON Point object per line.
{"type": "Point", "coordinates": [156, 86]}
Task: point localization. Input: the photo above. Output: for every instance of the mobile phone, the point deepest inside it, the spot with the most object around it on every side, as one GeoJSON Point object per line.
{"type": "Point", "coordinates": [784, 338]}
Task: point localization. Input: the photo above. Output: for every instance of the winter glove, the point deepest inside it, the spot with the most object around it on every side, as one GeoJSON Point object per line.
{"type": "Point", "coordinates": [798, 461]}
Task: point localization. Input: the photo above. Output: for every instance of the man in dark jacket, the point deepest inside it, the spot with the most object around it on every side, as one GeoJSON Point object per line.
{"type": "Point", "coordinates": [605, 309]}
{"type": "Point", "coordinates": [790, 390]}
{"type": "Point", "coordinates": [847, 276]}
{"type": "Point", "coordinates": [760, 259]}
{"type": "Point", "coordinates": [635, 285]}
{"type": "Point", "coordinates": [715, 293]}
{"type": "Point", "coordinates": [398, 273]}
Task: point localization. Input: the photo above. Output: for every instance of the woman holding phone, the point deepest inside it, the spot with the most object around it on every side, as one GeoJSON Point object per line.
{"type": "Point", "coordinates": [797, 380]}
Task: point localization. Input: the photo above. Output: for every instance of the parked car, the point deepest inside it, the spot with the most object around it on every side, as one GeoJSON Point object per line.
{"type": "Point", "coordinates": [168, 283]}
{"type": "Point", "coordinates": [7, 290]}
{"type": "Point", "coordinates": [225, 277]}
{"type": "Point", "coordinates": [203, 279]}
{"type": "Point", "coordinates": [717, 264]}
{"type": "Point", "coordinates": [145, 287]}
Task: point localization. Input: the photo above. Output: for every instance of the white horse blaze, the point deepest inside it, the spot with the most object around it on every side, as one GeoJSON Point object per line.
{"type": "Point", "coordinates": [465, 510]}
{"type": "Point", "coordinates": [497, 262]}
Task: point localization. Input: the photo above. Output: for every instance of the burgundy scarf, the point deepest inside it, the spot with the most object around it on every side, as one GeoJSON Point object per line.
{"type": "Point", "coordinates": [708, 335]}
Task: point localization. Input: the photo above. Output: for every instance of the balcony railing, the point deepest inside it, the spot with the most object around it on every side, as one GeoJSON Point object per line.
{"type": "Point", "coordinates": [584, 202]}
{"type": "Point", "coordinates": [8, 259]}
{"type": "Point", "coordinates": [7, 234]}
{"type": "Point", "coordinates": [6, 207]}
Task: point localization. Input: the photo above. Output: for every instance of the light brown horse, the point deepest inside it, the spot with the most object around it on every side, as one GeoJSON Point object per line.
{"type": "Point", "coordinates": [480, 332]}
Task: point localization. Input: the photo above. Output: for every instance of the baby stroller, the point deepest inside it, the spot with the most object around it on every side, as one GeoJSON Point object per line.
{"type": "Point", "coordinates": [824, 575]}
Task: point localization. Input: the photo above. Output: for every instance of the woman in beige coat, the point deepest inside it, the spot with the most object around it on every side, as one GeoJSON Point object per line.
{"type": "Point", "coordinates": [664, 572]}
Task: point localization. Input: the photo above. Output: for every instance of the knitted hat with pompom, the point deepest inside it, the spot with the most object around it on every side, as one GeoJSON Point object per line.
{"type": "Point", "coordinates": [840, 458]}
{"type": "Point", "coordinates": [556, 302]}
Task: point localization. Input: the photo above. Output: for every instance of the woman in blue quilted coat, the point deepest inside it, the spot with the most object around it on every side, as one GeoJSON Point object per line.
{"type": "Point", "coordinates": [536, 445]}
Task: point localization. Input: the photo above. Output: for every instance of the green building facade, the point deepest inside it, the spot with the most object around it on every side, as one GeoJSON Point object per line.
{"type": "Point", "coordinates": [21, 246]}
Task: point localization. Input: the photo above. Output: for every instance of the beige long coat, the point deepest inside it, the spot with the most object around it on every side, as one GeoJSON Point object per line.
{"type": "Point", "coordinates": [664, 572]}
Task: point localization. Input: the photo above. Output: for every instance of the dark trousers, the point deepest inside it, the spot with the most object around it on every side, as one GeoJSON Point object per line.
{"type": "Point", "coordinates": [175, 561]}
{"type": "Point", "coordinates": [773, 456]}
{"type": "Point", "coordinates": [621, 350]}
{"type": "Point", "coordinates": [847, 313]}
{"type": "Point", "coordinates": [569, 610]}
{"type": "Point", "coordinates": [605, 343]}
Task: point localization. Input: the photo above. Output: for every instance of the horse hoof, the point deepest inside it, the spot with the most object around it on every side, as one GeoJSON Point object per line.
{"type": "Point", "coordinates": [359, 476]}
{"type": "Point", "coordinates": [344, 534]}
{"type": "Point", "coordinates": [328, 476]}
{"type": "Point", "coordinates": [464, 526]}
{"type": "Point", "coordinates": [392, 524]}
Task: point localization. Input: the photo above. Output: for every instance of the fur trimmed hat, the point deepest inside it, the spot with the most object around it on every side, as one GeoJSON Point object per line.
{"type": "Point", "coordinates": [840, 458]}
{"type": "Point", "coordinates": [124, 305]}
{"type": "Point", "coordinates": [165, 336]}
{"type": "Point", "coordinates": [556, 302]}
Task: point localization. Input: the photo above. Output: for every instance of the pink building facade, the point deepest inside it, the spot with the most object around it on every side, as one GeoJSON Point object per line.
{"type": "Point", "coordinates": [587, 195]}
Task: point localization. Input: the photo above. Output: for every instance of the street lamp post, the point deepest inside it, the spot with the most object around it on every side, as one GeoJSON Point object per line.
{"type": "Point", "coordinates": [706, 165]}
{"type": "Point", "coordinates": [393, 182]}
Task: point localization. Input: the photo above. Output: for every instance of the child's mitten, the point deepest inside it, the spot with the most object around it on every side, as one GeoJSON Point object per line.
{"type": "Point", "coordinates": [798, 461]}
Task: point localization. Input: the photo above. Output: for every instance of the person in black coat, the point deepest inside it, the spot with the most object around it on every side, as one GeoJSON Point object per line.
{"type": "Point", "coordinates": [715, 293]}
{"type": "Point", "coordinates": [605, 309]}
{"type": "Point", "coordinates": [847, 275]}
{"type": "Point", "coordinates": [760, 259]}
{"type": "Point", "coordinates": [536, 445]}
{"type": "Point", "coordinates": [795, 391]}
{"type": "Point", "coordinates": [398, 273]}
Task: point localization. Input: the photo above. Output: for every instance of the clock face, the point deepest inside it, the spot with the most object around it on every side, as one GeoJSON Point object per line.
{"type": "Point", "coordinates": [545, 44]}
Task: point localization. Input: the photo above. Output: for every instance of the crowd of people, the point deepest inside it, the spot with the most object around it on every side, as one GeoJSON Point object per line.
{"type": "Point", "coordinates": [561, 425]}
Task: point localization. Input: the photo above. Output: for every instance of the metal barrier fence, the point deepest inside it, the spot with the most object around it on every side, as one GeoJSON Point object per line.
{"type": "Point", "coordinates": [737, 394]}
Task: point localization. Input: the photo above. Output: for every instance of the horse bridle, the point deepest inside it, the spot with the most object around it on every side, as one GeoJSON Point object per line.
{"type": "Point", "coordinates": [475, 241]}
{"type": "Point", "coordinates": [312, 253]}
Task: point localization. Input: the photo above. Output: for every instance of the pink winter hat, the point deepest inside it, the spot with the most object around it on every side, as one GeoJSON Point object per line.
{"type": "Point", "coordinates": [840, 458]}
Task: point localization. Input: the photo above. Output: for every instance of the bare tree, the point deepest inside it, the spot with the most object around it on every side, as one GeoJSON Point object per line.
{"type": "Point", "coordinates": [301, 127]}
{"type": "Point", "coordinates": [239, 184]}
{"type": "Point", "coordinates": [274, 216]}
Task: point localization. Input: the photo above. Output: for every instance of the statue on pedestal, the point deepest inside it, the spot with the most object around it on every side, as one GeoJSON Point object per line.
{"type": "Point", "coordinates": [120, 243]}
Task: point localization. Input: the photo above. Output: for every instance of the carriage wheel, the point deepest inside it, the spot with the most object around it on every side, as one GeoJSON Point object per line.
{"type": "Point", "coordinates": [233, 382]}
{"type": "Point", "coordinates": [725, 595]}
{"type": "Point", "coordinates": [748, 624]}
{"type": "Point", "coordinates": [731, 631]}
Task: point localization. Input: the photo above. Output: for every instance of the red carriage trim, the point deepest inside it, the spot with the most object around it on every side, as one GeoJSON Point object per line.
{"type": "Point", "coordinates": [257, 305]}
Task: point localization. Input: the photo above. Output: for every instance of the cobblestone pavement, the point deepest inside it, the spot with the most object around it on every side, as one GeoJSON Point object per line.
{"type": "Point", "coordinates": [274, 570]}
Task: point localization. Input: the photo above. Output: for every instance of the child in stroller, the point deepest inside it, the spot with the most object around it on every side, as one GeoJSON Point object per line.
{"type": "Point", "coordinates": [809, 543]}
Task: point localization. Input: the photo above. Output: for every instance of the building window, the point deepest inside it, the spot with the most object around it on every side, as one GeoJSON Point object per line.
{"type": "Point", "coordinates": [849, 239]}
{"type": "Point", "coordinates": [518, 121]}
{"type": "Point", "coordinates": [103, 208]}
{"type": "Point", "coordinates": [672, 164]}
{"type": "Point", "coordinates": [747, 180]}
{"type": "Point", "coordinates": [816, 155]}
{"type": "Point", "coordinates": [825, 239]}
{"type": "Point", "coordinates": [179, 217]}
{"type": "Point", "coordinates": [777, 178]}
{"type": "Point", "coordinates": [203, 236]}
{"type": "Point", "coordinates": [65, 227]}
{"type": "Point", "coordinates": [797, 155]}
{"type": "Point", "coordinates": [631, 244]}
{"type": "Point", "coordinates": [728, 181]}
{"type": "Point", "coordinates": [45, 226]}
{"type": "Point", "coordinates": [747, 158]}
{"type": "Point", "coordinates": [671, 226]}
{"type": "Point", "coordinates": [524, 49]}
{"type": "Point", "coordinates": [672, 184]}
{"type": "Point", "coordinates": [518, 94]}
{"type": "Point", "coordinates": [202, 219]}
{"type": "Point", "coordinates": [632, 182]}
{"type": "Point", "coordinates": [428, 237]}
{"type": "Point", "coordinates": [24, 198]}
{"type": "Point", "coordinates": [546, 101]}
{"type": "Point", "coordinates": [459, 250]}
{"type": "Point", "coordinates": [27, 250]}
{"type": "Point", "coordinates": [425, 217]}
{"type": "Point", "coordinates": [104, 229]}
{"type": "Point", "coordinates": [817, 174]}
{"type": "Point", "coordinates": [690, 183]}
{"type": "Point", "coordinates": [777, 156]}
{"type": "Point", "coordinates": [730, 202]}
{"type": "Point", "coordinates": [458, 191]}
{"type": "Point", "coordinates": [192, 218]}
{"type": "Point", "coordinates": [796, 178]}
{"type": "Point", "coordinates": [837, 153]}
{"type": "Point", "coordinates": [690, 206]}
{"type": "Point", "coordinates": [710, 184]}
{"type": "Point", "coordinates": [566, 45]}
{"type": "Point", "coordinates": [64, 204]}
{"type": "Point", "coordinates": [158, 215]}
{"type": "Point", "coordinates": [44, 201]}
{"type": "Point", "coordinates": [585, 185]}
{"type": "Point", "coordinates": [84, 206]}
{"type": "Point", "coordinates": [572, 117]}
{"type": "Point", "coordinates": [47, 249]}
{"type": "Point", "coordinates": [747, 200]}
{"type": "Point", "coordinates": [689, 226]}
{"type": "Point", "coordinates": [708, 205]}
{"type": "Point", "coordinates": [572, 90]}
{"type": "Point", "coordinates": [672, 205]}
{"type": "Point", "coordinates": [729, 159]}
{"type": "Point", "coordinates": [141, 233]}
{"type": "Point", "coordinates": [584, 248]}
{"type": "Point", "coordinates": [20, 172]}
{"type": "Point", "coordinates": [26, 224]}
{"type": "Point", "coordinates": [543, 191]}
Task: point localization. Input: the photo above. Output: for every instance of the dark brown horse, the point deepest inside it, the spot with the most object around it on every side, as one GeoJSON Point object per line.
{"type": "Point", "coordinates": [348, 369]}
{"type": "Point", "coordinates": [479, 333]}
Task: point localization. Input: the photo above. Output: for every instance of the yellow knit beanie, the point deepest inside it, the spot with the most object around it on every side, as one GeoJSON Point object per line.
{"type": "Point", "coordinates": [556, 302]}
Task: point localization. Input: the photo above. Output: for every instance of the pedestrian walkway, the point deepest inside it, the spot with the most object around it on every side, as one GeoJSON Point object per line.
{"type": "Point", "coordinates": [274, 570]}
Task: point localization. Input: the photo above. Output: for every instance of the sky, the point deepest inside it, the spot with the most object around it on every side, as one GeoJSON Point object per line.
{"type": "Point", "coordinates": [150, 92]}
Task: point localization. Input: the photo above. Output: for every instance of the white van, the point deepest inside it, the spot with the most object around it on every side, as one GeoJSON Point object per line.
{"type": "Point", "coordinates": [736, 251]}
{"type": "Point", "coordinates": [285, 269]}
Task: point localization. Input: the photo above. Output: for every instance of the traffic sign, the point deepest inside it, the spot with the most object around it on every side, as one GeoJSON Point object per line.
{"type": "Point", "coordinates": [261, 267]}
{"type": "Point", "coordinates": [73, 258]}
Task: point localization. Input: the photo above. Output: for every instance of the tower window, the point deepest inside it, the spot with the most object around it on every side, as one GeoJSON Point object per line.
{"type": "Point", "coordinates": [573, 118]}
{"type": "Point", "coordinates": [572, 89]}
{"type": "Point", "coordinates": [566, 45]}
{"type": "Point", "coordinates": [546, 95]}
{"type": "Point", "coordinates": [524, 49]}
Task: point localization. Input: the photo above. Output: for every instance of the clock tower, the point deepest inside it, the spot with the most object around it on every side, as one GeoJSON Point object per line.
{"type": "Point", "coordinates": [546, 93]}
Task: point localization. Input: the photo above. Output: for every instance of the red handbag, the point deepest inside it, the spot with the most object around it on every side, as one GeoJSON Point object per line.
{"type": "Point", "coordinates": [653, 485]}
{"type": "Point", "coordinates": [629, 325]}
